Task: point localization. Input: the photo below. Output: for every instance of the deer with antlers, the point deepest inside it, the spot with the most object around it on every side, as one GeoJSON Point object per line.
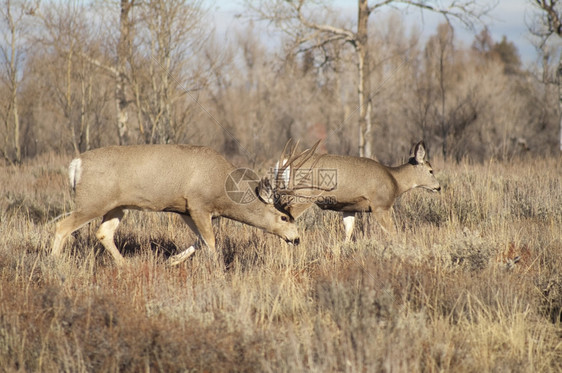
{"type": "Point", "coordinates": [364, 185]}
{"type": "Point", "coordinates": [195, 182]}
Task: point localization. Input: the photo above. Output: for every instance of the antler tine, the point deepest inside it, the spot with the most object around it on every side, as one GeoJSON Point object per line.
{"type": "Point", "coordinates": [293, 162]}
{"type": "Point", "coordinates": [293, 151]}
{"type": "Point", "coordinates": [307, 154]}
{"type": "Point", "coordinates": [281, 166]}
{"type": "Point", "coordinates": [289, 164]}
{"type": "Point", "coordinates": [284, 165]}
{"type": "Point", "coordinates": [303, 158]}
{"type": "Point", "coordinates": [284, 151]}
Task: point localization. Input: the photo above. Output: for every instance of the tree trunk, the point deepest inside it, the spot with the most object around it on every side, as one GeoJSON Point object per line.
{"type": "Point", "coordinates": [559, 73]}
{"type": "Point", "coordinates": [442, 92]}
{"type": "Point", "coordinates": [17, 145]}
{"type": "Point", "coordinates": [14, 86]}
{"type": "Point", "coordinates": [68, 104]}
{"type": "Point", "coordinates": [123, 51]}
{"type": "Point", "coordinates": [86, 98]}
{"type": "Point", "coordinates": [364, 86]}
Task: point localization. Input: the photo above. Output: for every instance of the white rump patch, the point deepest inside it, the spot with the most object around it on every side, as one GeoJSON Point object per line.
{"type": "Point", "coordinates": [74, 172]}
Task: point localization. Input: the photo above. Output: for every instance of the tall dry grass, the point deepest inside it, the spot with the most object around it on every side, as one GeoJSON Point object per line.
{"type": "Point", "coordinates": [471, 283]}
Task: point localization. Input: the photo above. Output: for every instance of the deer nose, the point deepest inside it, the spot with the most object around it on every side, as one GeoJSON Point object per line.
{"type": "Point", "coordinates": [294, 241]}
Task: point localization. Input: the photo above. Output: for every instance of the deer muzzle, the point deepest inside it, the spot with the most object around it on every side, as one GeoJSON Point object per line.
{"type": "Point", "coordinates": [294, 241]}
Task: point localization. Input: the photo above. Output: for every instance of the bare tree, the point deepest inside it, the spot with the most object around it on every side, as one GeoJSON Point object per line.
{"type": "Point", "coordinates": [450, 102]}
{"type": "Point", "coordinates": [149, 56]}
{"type": "Point", "coordinates": [547, 23]}
{"type": "Point", "coordinates": [117, 65]}
{"type": "Point", "coordinates": [14, 26]}
{"type": "Point", "coordinates": [124, 50]}
{"type": "Point", "coordinates": [64, 41]}
{"type": "Point", "coordinates": [440, 49]}
{"type": "Point", "coordinates": [166, 68]}
{"type": "Point", "coordinates": [296, 18]}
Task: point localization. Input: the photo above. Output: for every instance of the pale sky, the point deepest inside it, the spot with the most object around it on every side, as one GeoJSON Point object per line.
{"type": "Point", "coordinates": [509, 18]}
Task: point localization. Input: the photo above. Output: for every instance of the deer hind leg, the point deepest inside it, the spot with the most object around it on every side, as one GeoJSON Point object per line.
{"type": "Point", "coordinates": [66, 226]}
{"type": "Point", "coordinates": [202, 227]}
{"type": "Point", "coordinates": [386, 221]}
{"type": "Point", "coordinates": [348, 223]}
{"type": "Point", "coordinates": [106, 233]}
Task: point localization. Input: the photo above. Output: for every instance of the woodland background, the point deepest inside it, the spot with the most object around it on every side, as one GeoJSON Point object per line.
{"type": "Point", "coordinates": [77, 75]}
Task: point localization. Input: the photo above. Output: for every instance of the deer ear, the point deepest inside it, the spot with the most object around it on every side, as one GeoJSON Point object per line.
{"type": "Point", "coordinates": [264, 191]}
{"type": "Point", "coordinates": [296, 210]}
{"type": "Point", "coordinates": [418, 153]}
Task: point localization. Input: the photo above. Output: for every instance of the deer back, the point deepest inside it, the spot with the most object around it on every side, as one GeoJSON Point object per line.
{"type": "Point", "coordinates": [150, 177]}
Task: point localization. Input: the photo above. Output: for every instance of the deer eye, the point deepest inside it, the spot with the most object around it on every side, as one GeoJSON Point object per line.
{"type": "Point", "coordinates": [284, 218]}
{"type": "Point", "coordinates": [431, 172]}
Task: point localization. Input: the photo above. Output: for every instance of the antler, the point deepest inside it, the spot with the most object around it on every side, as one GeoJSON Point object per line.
{"type": "Point", "coordinates": [284, 191]}
{"type": "Point", "coordinates": [285, 184]}
{"type": "Point", "coordinates": [291, 164]}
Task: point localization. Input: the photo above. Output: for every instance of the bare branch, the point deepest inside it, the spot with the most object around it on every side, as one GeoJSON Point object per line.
{"type": "Point", "coordinates": [372, 8]}
{"type": "Point", "coordinates": [468, 11]}
{"type": "Point", "coordinates": [95, 62]}
{"type": "Point", "coordinates": [347, 34]}
{"type": "Point", "coordinates": [291, 18]}
{"type": "Point", "coordinates": [553, 21]}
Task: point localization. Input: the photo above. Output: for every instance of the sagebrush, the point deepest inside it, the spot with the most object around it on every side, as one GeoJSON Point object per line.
{"type": "Point", "coordinates": [471, 282]}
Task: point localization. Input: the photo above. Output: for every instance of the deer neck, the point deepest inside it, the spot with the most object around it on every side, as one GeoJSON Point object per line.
{"type": "Point", "coordinates": [249, 213]}
{"type": "Point", "coordinates": [404, 177]}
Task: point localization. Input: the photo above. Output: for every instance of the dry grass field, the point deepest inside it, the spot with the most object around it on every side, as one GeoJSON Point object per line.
{"type": "Point", "coordinates": [472, 283]}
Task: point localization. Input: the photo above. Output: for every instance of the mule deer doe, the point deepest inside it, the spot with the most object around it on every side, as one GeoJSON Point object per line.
{"type": "Point", "coordinates": [189, 180]}
{"type": "Point", "coordinates": [364, 185]}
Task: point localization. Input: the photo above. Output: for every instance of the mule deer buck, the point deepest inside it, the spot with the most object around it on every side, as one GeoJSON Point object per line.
{"type": "Point", "coordinates": [193, 181]}
{"type": "Point", "coordinates": [364, 185]}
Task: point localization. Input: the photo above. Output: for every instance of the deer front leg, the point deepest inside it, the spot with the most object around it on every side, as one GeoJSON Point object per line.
{"type": "Point", "coordinates": [348, 223]}
{"type": "Point", "coordinates": [384, 218]}
{"type": "Point", "coordinates": [202, 227]}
